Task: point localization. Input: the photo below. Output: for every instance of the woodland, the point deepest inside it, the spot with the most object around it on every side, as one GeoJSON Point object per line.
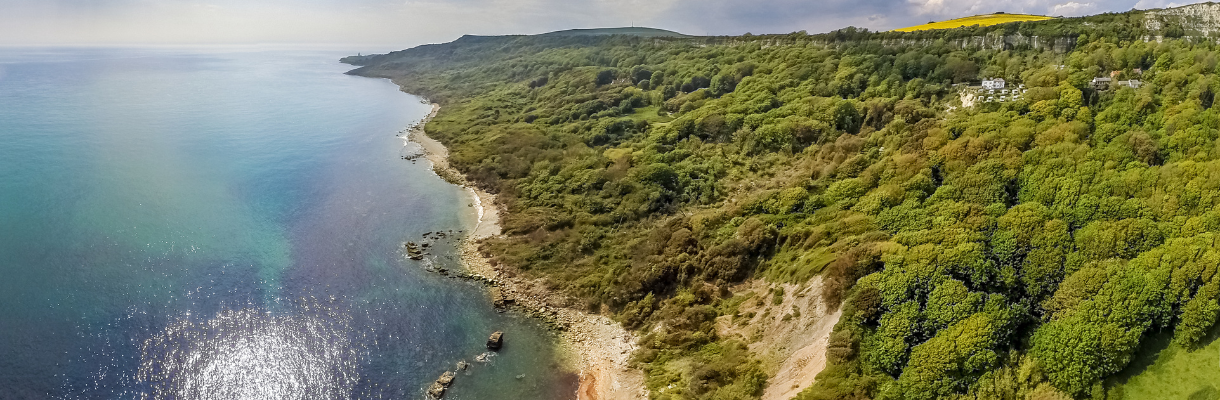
{"type": "Point", "coordinates": [1014, 250]}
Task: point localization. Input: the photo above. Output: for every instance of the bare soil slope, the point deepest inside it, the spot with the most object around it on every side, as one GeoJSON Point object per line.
{"type": "Point", "coordinates": [791, 336]}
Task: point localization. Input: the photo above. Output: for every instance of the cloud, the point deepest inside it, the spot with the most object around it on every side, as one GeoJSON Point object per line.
{"type": "Point", "coordinates": [404, 23]}
{"type": "Point", "coordinates": [1075, 9]}
{"type": "Point", "coordinates": [1147, 4]}
{"type": "Point", "coordinates": [730, 17]}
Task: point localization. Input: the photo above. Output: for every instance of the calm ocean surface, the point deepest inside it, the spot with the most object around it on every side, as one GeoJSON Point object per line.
{"type": "Point", "coordinates": [228, 224]}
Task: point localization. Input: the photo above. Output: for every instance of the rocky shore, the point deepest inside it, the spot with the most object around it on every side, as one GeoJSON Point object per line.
{"type": "Point", "coordinates": [598, 347]}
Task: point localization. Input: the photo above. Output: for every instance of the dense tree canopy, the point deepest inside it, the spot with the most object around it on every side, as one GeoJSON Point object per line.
{"type": "Point", "coordinates": [995, 251]}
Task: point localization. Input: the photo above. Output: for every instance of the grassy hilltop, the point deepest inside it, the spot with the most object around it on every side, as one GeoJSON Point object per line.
{"type": "Point", "coordinates": [632, 31]}
{"type": "Point", "coordinates": [714, 194]}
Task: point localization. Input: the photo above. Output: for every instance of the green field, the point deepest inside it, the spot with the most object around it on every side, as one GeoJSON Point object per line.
{"type": "Point", "coordinates": [649, 114]}
{"type": "Point", "coordinates": [981, 20]}
{"type": "Point", "coordinates": [1167, 371]}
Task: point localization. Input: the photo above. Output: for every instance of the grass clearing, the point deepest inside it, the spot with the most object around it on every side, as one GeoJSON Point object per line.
{"type": "Point", "coordinates": [649, 114]}
{"type": "Point", "coordinates": [1161, 370]}
{"type": "Point", "coordinates": [983, 20]}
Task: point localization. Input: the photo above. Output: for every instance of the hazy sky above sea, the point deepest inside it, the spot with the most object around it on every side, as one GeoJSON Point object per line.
{"type": "Point", "coordinates": [379, 25]}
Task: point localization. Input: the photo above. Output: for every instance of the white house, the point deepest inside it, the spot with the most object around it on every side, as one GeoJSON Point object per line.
{"type": "Point", "coordinates": [997, 83]}
{"type": "Point", "coordinates": [1100, 83]}
{"type": "Point", "coordinates": [1134, 84]}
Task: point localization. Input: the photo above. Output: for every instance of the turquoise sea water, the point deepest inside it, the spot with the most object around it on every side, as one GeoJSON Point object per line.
{"type": "Point", "coordinates": [228, 223]}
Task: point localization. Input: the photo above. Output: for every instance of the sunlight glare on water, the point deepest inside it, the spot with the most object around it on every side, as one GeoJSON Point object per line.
{"type": "Point", "coordinates": [252, 354]}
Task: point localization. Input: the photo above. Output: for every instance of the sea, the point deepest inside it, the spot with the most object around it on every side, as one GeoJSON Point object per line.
{"type": "Point", "coordinates": [229, 223]}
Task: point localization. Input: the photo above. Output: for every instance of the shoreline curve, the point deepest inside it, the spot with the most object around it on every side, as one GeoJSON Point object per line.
{"type": "Point", "coordinates": [595, 345]}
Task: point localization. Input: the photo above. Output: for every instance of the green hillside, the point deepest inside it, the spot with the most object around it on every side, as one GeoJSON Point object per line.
{"type": "Point", "coordinates": [1060, 245]}
{"type": "Point", "coordinates": [632, 31]}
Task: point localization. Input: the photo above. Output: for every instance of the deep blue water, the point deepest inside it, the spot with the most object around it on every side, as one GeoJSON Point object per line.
{"type": "Point", "coordinates": [228, 223]}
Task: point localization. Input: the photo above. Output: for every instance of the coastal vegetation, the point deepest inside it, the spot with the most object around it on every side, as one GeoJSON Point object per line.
{"type": "Point", "coordinates": [1025, 249]}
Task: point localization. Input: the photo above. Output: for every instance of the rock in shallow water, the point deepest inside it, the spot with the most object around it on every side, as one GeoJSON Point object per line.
{"type": "Point", "coordinates": [437, 390]}
{"type": "Point", "coordinates": [495, 341]}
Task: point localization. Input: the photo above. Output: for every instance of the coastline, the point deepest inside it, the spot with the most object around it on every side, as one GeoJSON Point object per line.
{"type": "Point", "coordinates": [596, 346]}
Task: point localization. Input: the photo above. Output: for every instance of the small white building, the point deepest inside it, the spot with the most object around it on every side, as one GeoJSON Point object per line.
{"type": "Point", "coordinates": [1100, 83]}
{"type": "Point", "coordinates": [997, 83]}
{"type": "Point", "coordinates": [1134, 84]}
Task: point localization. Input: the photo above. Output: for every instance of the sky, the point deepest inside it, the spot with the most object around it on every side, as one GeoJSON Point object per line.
{"type": "Point", "coordinates": [379, 25]}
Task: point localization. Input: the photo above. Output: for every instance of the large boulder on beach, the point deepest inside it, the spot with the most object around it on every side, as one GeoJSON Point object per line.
{"type": "Point", "coordinates": [495, 341]}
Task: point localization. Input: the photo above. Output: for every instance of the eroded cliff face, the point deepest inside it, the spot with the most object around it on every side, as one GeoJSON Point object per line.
{"type": "Point", "coordinates": [1202, 19]}
{"type": "Point", "coordinates": [999, 41]}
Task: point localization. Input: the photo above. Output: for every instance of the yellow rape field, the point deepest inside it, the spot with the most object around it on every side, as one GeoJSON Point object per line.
{"type": "Point", "coordinates": [984, 20]}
